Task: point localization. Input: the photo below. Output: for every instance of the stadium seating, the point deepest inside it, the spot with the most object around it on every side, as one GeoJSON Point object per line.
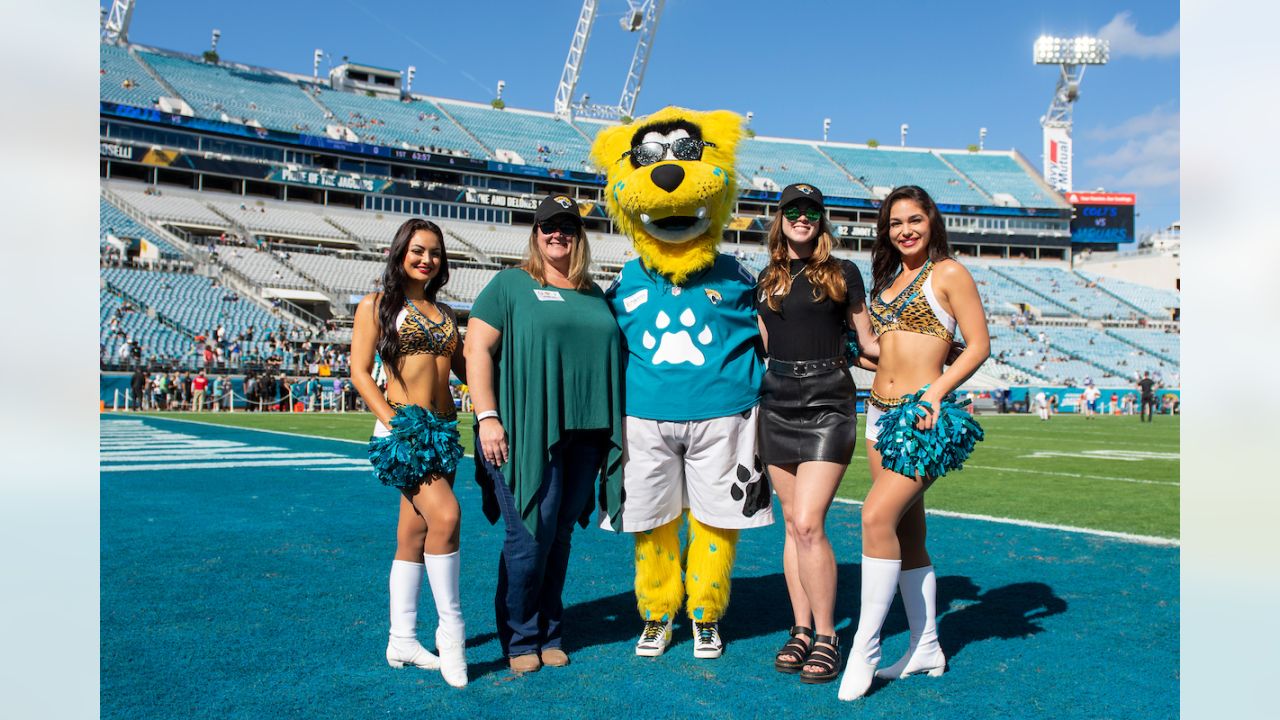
{"type": "Point", "coordinates": [1155, 302]}
{"type": "Point", "coordinates": [466, 283]}
{"type": "Point", "coordinates": [264, 268]}
{"type": "Point", "coordinates": [113, 220]}
{"type": "Point", "coordinates": [339, 274]}
{"type": "Point", "coordinates": [191, 302]}
{"type": "Point", "coordinates": [1163, 345]}
{"type": "Point", "coordinates": [881, 167]}
{"type": "Point", "coordinates": [180, 209]}
{"type": "Point", "coordinates": [156, 339]}
{"type": "Point", "coordinates": [278, 220]}
{"type": "Point", "coordinates": [540, 140]}
{"type": "Point", "coordinates": [417, 124]}
{"type": "Point", "coordinates": [240, 95]}
{"type": "Point", "coordinates": [122, 80]}
{"type": "Point", "coordinates": [784, 163]}
{"type": "Point", "coordinates": [1003, 174]}
{"type": "Point", "coordinates": [1069, 290]}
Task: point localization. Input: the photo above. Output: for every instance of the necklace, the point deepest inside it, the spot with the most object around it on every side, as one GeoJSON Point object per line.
{"type": "Point", "coordinates": [803, 264]}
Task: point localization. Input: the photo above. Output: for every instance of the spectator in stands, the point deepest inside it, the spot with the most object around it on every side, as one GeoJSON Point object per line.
{"type": "Point", "coordinates": [931, 295]}
{"type": "Point", "coordinates": [544, 359]}
{"type": "Point", "coordinates": [417, 340]}
{"type": "Point", "coordinates": [807, 297]}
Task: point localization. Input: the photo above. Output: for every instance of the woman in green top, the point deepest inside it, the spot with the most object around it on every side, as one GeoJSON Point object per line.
{"type": "Point", "coordinates": [544, 363]}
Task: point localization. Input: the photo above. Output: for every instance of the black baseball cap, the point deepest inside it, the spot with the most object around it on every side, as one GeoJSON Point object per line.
{"type": "Point", "coordinates": [801, 191]}
{"type": "Point", "coordinates": [553, 205]}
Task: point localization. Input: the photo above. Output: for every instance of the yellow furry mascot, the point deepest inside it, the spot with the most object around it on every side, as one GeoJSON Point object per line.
{"type": "Point", "coordinates": [693, 370]}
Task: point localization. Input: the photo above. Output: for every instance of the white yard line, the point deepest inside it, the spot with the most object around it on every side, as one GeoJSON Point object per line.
{"type": "Point", "coordinates": [1073, 475]}
{"type": "Point", "coordinates": [1127, 537]}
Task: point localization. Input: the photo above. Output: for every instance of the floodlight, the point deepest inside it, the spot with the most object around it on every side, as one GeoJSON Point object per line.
{"type": "Point", "coordinates": [903, 130]}
{"type": "Point", "coordinates": [826, 127]}
{"type": "Point", "coordinates": [1083, 50]}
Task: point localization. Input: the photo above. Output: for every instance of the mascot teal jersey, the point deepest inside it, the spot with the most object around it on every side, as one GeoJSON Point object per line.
{"type": "Point", "coordinates": [692, 347]}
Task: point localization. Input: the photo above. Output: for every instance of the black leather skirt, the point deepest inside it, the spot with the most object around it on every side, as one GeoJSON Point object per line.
{"type": "Point", "coordinates": [807, 413]}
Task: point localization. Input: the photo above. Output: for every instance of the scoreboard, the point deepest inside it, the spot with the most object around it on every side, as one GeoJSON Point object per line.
{"type": "Point", "coordinates": [1102, 218]}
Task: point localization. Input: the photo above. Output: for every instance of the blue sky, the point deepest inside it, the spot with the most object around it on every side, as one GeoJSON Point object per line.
{"type": "Point", "coordinates": [944, 68]}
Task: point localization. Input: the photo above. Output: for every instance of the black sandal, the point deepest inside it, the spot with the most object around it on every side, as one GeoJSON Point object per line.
{"type": "Point", "coordinates": [795, 647]}
{"type": "Point", "coordinates": [825, 654]}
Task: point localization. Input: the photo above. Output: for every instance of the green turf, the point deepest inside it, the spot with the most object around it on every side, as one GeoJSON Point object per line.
{"type": "Point", "coordinates": [1087, 483]}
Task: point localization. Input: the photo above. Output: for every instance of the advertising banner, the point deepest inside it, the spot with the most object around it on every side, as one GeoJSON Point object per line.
{"type": "Point", "coordinates": [1057, 157]}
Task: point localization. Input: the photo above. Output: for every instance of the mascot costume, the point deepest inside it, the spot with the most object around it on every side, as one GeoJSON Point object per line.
{"type": "Point", "coordinates": [693, 367]}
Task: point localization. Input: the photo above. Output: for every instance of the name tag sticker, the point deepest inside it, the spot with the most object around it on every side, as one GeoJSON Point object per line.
{"type": "Point", "coordinates": [636, 299]}
{"type": "Point", "coordinates": [548, 296]}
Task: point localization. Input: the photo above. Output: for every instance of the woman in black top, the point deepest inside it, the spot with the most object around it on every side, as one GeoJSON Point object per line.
{"type": "Point", "coordinates": [806, 300]}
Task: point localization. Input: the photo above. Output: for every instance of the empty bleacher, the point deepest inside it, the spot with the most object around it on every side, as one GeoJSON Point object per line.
{"type": "Point", "coordinates": [122, 80]}
{"type": "Point", "coordinates": [542, 140]}
{"type": "Point", "coordinates": [240, 95]}
{"type": "Point", "coordinates": [1155, 302]}
{"type": "Point", "coordinates": [771, 165]}
{"type": "Point", "coordinates": [112, 220]}
{"type": "Point", "coordinates": [264, 268]}
{"type": "Point", "coordinates": [890, 168]}
{"type": "Point", "coordinates": [1068, 290]}
{"type": "Point", "coordinates": [418, 124]}
{"type": "Point", "coordinates": [340, 274]}
{"type": "Point", "coordinates": [278, 220]}
{"type": "Point", "coordinates": [178, 209]}
{"type": "Point", "coordinates": [1002, 174]}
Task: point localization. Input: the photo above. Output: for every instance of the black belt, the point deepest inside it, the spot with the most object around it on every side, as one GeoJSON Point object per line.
{"type": "Point", "coordinates": [804, 368]}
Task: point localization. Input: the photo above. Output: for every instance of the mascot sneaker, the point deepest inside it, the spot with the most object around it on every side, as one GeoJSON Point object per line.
{"type": "Point", "coordinates": [706, 640]}
{"type": "Point", "coordinates": [654, 639]}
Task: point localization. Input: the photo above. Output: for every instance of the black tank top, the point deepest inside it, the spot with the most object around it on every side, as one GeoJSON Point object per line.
{"type": "Point", "coordinates": [806, 330]}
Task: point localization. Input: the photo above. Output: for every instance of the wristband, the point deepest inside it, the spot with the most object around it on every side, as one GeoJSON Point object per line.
{"type": "Point", "coordinates": [486, 415]}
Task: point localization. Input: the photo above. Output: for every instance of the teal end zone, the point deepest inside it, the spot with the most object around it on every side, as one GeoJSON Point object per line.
{"type": "Point", "coordinates": [235, 589]}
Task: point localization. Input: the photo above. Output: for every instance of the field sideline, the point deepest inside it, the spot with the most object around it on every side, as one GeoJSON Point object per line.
{"type": "Point", "coordinates": [1111, 473]}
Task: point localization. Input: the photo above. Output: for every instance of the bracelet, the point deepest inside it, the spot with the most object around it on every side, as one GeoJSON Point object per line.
{"type": "Point", "coordinates": [486, 415]}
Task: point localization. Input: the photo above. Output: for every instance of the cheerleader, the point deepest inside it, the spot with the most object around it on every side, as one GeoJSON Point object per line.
{"type": "Point", "coordinates": [917, 431]}
{"type": "Point", "coordinates": [415, 446]}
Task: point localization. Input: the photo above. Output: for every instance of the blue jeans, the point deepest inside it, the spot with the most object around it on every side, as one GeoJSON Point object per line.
{"type": "Point", "coordinates": [531, 570]}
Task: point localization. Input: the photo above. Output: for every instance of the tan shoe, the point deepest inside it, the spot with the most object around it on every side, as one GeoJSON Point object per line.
{"type": "Point", "coordinates": [554, 657]}
{"type": "Point", "coordinates": [525, 663]}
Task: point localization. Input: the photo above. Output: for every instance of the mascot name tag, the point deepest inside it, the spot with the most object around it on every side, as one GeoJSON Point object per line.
{"type": "Point", "coordinates": [548, 296]}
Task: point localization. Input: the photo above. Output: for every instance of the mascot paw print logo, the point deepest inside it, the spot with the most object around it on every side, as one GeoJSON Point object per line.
{"type": "Point", "coordinates": [752, 487]}
{"type": "Point", "coordinates": [679, 346]}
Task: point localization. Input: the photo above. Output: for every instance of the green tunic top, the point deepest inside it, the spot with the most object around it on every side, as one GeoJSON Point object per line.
{"type": "Point", "coordinates": [558, 368]}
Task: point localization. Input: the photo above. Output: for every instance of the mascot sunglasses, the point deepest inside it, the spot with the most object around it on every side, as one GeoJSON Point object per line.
{"type": "Point", "coordinates": [648, 153]}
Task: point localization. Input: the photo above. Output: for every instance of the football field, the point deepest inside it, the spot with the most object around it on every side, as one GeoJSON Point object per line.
{"type": "Point", "coordinates": [244, 574]}
{"type": "Point", "coordinates": [1111, 473]}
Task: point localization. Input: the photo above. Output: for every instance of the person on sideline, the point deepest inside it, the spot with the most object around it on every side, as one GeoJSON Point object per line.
{"type": "Point", "coordinates": [919, 296]}
{"type": "Point", "coordinates": [544, 360]}
{"type": "Point", "coordinates": [1147, 387]}
{"type": "Point", "coordinates": [415, 446]}
{"type": "Point", "coordinates": [807, 300]}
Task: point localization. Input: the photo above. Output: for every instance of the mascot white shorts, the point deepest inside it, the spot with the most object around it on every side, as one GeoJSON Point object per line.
{"type": "Point", "coordinates": [708, 466]}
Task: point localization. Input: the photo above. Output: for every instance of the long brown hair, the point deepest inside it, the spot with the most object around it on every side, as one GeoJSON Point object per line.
{"type": "Point", "coordinates": [579, 259]}
{"type": "Point", "coordinates": [886, 261]}
{"type": "Point", "coordinates": [822, 270]}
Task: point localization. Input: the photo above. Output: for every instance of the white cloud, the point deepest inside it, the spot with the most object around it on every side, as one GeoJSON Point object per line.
{"type": "Point", "coordinates": [1127, 40]}
{"type": "Point", "coordinates": [1140, 152]}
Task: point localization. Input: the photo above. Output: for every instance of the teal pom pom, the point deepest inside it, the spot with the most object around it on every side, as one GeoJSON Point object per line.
{"type": "Point", "coordinates": [420, 444]}
{"type": "Point", "coordinates": [927, 453]}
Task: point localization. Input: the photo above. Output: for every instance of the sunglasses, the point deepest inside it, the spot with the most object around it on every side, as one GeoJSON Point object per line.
{"type": "Point", "coordinates": [685, 148]}
{"type": "Point", "coordinates": [793, 214]}
{"type": "Point", "coordinates": [566, 227]}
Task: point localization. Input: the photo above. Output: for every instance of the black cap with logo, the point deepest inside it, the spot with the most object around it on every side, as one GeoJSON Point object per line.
{"type": "Point", "coordinates": [801, 191]}
{"type": "Point", "coordinates": [553, 205]}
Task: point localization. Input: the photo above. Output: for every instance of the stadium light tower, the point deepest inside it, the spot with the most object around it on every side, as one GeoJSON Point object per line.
{"type": "Point", "coordinates": [1072, 56]}
{"type": "Point", "coordinates": [903, 131]}
{"type": "Point", "coordinates": [213, 43]}
{"type": "Point", "coordinates": [315, 64]}
{"type": "Point", "coordinates": [641, 17]}
{"type": "Point", "coordinates": [502, 85]}
{"type": "Point", "coordinates": [826, 128]}
{"type": "Point", "coordinates": [116, 28]}
{"type": "Point", "coordinates": [982, 137]}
